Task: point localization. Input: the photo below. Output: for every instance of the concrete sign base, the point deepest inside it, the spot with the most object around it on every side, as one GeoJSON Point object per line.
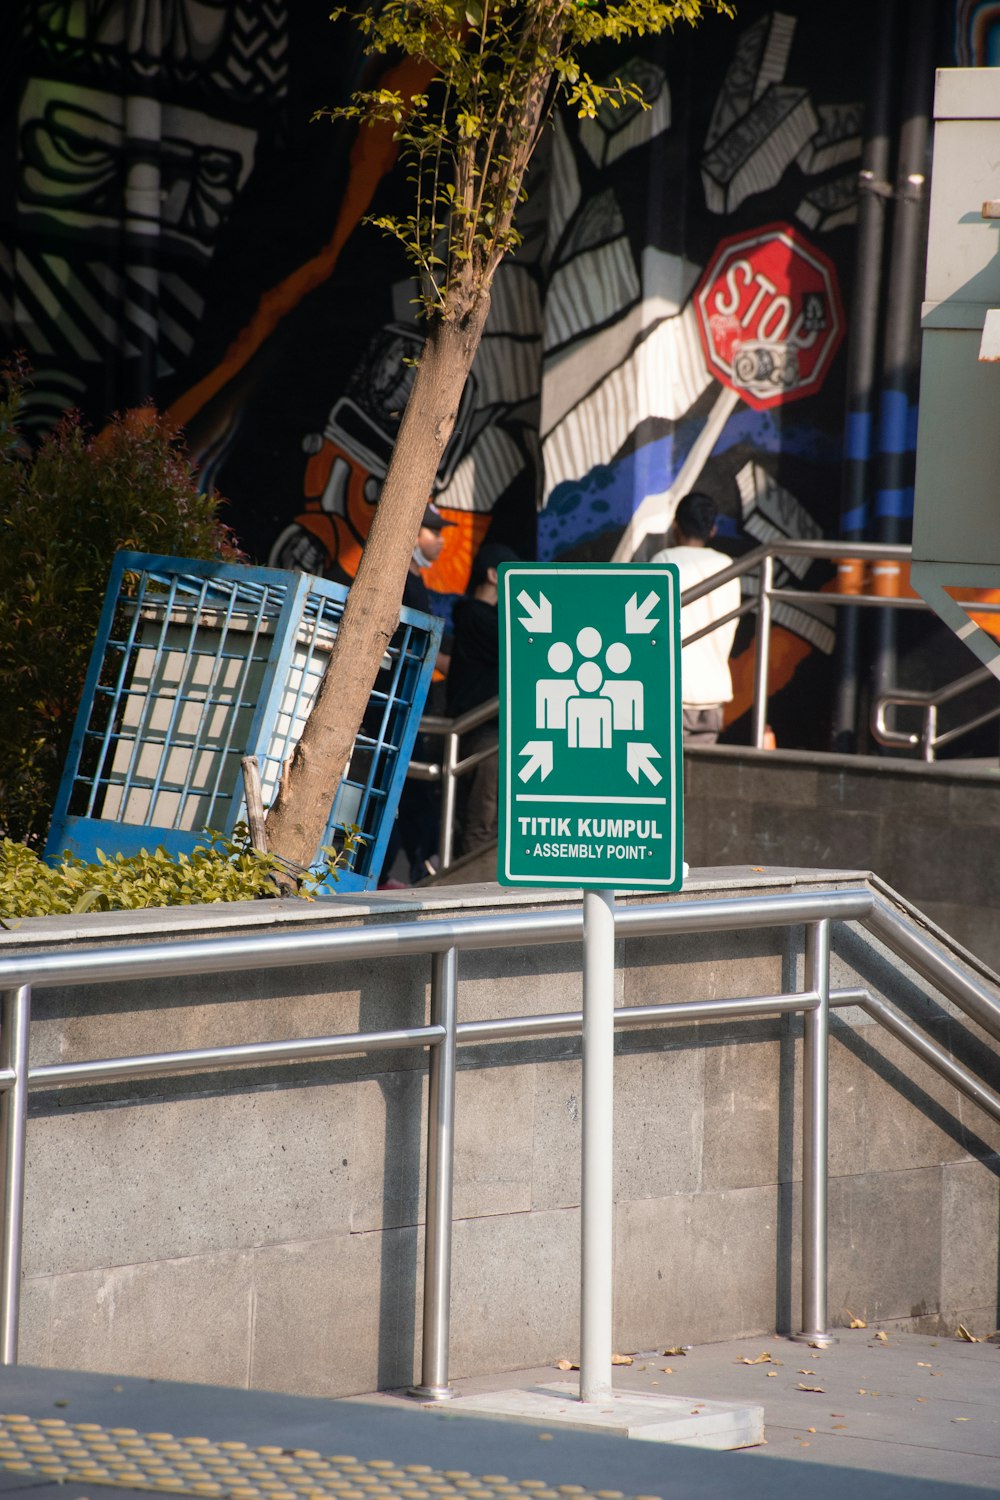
{"type": "Point", "coordinates": [632, 1414]}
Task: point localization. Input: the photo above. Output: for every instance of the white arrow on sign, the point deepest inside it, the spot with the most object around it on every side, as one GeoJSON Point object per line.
{"type": "Point", "coordinates": [540, 752]}
{"type": "Point", "coordinates": [640, 758]}
{"type": "Point", "coordinates": [637, 621]}
{"type": "Point", "coordinates": [539, 615]}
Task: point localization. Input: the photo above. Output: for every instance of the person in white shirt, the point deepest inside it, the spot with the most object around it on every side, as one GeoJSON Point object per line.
{"type": "Point", "coordinates": [706, 683]}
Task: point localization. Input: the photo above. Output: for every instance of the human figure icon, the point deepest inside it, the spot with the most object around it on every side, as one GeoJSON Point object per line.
{"type": "Point", "coordinates": [626, 696]}
{"type": "Point", "coordinates": [553, 693]}
{"type": "Point", "coordinates": [589, 716]}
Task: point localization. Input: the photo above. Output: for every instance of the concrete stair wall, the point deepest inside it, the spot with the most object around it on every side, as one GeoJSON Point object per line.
{"type": "Point", "coordinates": [262, 1228]}
{"type": "Point", "coordinates": [930, 832]}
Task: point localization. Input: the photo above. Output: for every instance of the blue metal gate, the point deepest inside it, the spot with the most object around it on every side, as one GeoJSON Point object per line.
{"type": "Point", "coordinates": [197, 664]}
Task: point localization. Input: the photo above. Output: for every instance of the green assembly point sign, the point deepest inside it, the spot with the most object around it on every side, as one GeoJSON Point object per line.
{"type": "Point", "coordinates": [590, 725]}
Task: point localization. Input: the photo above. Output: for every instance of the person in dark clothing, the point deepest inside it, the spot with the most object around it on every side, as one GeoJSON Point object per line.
{"type": "Point", "coordinates": [473, 678]}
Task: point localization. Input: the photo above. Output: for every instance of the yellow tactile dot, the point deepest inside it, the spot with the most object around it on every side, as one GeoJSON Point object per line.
{"type": "Point", "coordinates": [52, 1422]}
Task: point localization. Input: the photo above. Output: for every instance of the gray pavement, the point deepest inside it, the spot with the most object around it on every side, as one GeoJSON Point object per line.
{"type": "Point", "coordinates": [907, 1418]}
{"type": "Point", "coordinates": [894, 1403]}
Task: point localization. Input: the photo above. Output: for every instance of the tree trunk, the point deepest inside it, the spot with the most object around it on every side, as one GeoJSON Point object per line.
{"type": "Point", "coordinates": [297, 819]}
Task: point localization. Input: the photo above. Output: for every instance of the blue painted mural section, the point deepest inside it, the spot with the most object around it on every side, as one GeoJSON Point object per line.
{"type": "Point", "coordinates": [605, 499]}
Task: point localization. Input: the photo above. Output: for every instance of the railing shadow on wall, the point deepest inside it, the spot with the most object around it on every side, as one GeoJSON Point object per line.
{"type": "Point", "coordinates": [442, 940]}
{"type": "Point", "coordinates": [756, 570]}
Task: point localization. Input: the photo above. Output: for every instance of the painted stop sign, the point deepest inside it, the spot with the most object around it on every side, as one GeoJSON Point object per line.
{"type": "Point", "coordinates": [769, 315]}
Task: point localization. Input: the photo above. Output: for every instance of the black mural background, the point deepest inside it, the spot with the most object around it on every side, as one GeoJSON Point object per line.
{"type": "Point", "coordinates": [173, 227]}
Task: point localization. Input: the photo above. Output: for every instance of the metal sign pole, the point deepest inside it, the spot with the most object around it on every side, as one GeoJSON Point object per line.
{"type": "Point", "coordinates": [597, 1188]}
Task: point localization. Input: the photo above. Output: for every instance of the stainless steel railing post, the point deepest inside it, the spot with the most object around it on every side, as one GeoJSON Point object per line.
{"type": "Point", "coordinates": [449, 759]}
{"type": "Point", "coordinates": [929, 738]}
{"type": "Point", "coordinates": [440, 1177]}
{"type": "Point", "coordinates": [815, 1137]}
{"type": "Point", "coordinates": [15, 1024]}
{"type": "Point", "coordinates": [762, 651]}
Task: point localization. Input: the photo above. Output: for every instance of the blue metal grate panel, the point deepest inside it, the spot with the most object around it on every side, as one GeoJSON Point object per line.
{"type": "Point", "coordinates": [198, 664]}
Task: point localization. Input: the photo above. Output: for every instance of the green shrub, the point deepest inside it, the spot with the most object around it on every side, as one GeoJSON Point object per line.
{"type": "Point", "coordinates": [221, 870]}
{"type": "Point", "coordinates": [64, 511]}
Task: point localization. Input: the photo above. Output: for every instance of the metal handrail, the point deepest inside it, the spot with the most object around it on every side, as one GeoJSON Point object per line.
{"type": "Point", "coordinates": [443, 939]}
{"type": "Point", "coordinates": [930, 701]}
{"type": "Point", "coordinates": [762, 602]}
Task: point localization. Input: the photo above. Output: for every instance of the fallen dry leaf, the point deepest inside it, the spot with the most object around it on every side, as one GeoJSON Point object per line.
{"type": "Point", "coordinates": [882, 1336]}
{"type": "Point", "coordinates": [772, 1374]}
{"type": "Point", "coordinates": [936, 1373]}
{"type": "Point", "coordinates": [757, 869]}
{"type": "Point", "coordinates": [566, 1364]}
{"type": "Point", "coordinates": [961, 1419]}
{"type": "Point", "coordinates": [839, 1426]}
{"type": "Point", "coordinates": [922, 1364]}
{"type": "Point", "coordinates": [673, 1351]}
{"type": "Point", "coordinates": [921, 1398]}
{"type": "Point", "coordinates": [854, 1322]}
{"type": "Point", "coordinates": [961, 1332]}
{"type": "Point", "coordinates": [837, 1414]}
{"type": "Point", "coordinates": [862, 1391]}
{"type": "Point", "coordinates": [667, 1370]}
{"type": "Point", "coordinates": [762, 1359]}
{"type": "Point", "coordinates": [807, 1372]}
{"type": "Point", "coordinates": [817, 1388]}
{"type": "Point", "coordinates": [810, 1429]}
{"type": "Point", "coordinates": [621, 1359]}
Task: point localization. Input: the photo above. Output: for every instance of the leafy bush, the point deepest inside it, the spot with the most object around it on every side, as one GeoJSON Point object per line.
{"type": "Point", "coordinates": [64, 511]}
{"type": "Point", "coordinates": [221, 870]}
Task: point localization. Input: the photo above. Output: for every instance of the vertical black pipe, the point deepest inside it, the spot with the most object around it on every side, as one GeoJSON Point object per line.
{"type": "Point", "coordinates": [862, 354]}
{"type": "Point", "coordinates": [900, 359]}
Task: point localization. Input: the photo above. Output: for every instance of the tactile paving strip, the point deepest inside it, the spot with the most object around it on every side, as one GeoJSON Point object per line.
{"type": "Point", "coordinates": [156, 1461]}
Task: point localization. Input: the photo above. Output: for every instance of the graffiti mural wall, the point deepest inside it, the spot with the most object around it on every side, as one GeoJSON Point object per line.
{"type": "Point", "coordinates": [176, 228]}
